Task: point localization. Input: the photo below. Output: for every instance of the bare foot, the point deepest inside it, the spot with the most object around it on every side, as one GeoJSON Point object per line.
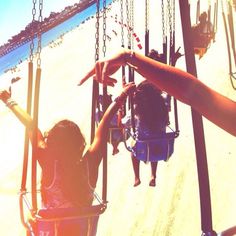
{"type": "Point", "coordinates": [115, 151]}
{"type": "Point", "coordinates": [152, 182]}
{"type": "Point", "coordinates": [137, 182]}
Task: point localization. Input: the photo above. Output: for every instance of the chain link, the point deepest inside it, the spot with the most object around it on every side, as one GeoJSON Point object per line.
{"type": "Point", "coordinates": [32, 33]}
{"type": "Point", "coordinates": [97, 32]}
{"type": "Point", "coordinates": [39, 48]}
{"type": "Point", "coordinates": [104, 28]}
{"type": "Point", "coordinates": [163, 21]}
{"type": "Point", "coordinates": [128, 24]}
{"type": "Point", "coordinates": [122, 23]}
{"type": "Point", "coordinates": [173, 15]}
{"type": "Point", "coordinates": [132, 21]}
{"type": "Point", "coordinates": [146, 15]}
{"type": "Point", "coordinates": [170, 21]}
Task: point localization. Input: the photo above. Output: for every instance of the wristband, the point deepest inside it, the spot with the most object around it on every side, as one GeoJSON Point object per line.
{"type": "Point", "coordinates": [10, 103]}
{"type": "Point", "coordinates": [129, 56]}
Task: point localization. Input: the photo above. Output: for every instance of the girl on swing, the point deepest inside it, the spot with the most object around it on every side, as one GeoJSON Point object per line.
{"type": "Point", "coordinates": [68, 175]}
{"type": "Point", "coordinates": [151, 118]}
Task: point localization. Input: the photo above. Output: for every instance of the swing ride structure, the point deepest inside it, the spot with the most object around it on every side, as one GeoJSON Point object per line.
{"type": "Point", "coordinates": [45, 221]}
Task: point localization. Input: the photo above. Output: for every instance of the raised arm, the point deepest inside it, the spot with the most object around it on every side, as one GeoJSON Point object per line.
{"type": "Point", "coordinates": [102, 132]}
{"type": "Point", "coordinates": [22, 115]}
{"type": "Point", "coordinates": [183, 86]}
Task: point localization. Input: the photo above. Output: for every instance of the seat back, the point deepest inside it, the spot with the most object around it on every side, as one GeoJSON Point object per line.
{"type": "Point", "coordinates": [155, 149]}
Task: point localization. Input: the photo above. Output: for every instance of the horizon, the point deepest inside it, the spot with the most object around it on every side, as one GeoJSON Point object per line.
{"type": "Point", "coordinates": [11, 9]}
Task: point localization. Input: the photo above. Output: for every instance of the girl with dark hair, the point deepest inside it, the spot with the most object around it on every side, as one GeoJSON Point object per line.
{"type": "Point", "coordinates": [151, 117]}
{"type": "Point", "coordinates": [68, 175]}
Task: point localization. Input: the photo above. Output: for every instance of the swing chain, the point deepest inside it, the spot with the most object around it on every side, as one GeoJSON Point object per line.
{"type": "Point", "coordinates": [122, 23]}
{"type": "Point", "coordinates": [173, 15]}
{"type": "Point", "coordinates": [132, 21]}
{"type": "Point", "coordinates": [104, 28]}
{"type": "Point", "coordinates": [97, 32]}
{"type": "Point", "coordinates": [128, 24]}
{"type": "Point", "coordinates": [163, 22]}
{"type": "Point", "coordinates": [40, 19]}
{"type": "Point", "coordinates": [170, 21]}
{"type": "Point", "coordinates": [32, 36]}
{"type": "Point", "coordinates": [146, 15]}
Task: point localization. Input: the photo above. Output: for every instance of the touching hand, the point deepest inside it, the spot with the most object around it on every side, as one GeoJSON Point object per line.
{"type": "Point", "coordinates": [4, 95]}
{"type": "Point", "coordinates": [103, 70]}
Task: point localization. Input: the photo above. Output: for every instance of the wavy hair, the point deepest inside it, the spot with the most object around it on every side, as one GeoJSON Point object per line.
{"type": "Point", "coordinates": [150, 106]}
{"type": "Point", "coordinates": [66, 143]}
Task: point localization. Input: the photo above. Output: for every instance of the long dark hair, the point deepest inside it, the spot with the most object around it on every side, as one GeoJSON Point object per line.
{"type": "Point", "coordinates": [150, 106]}
{"type": "Point", "coordinates": [65, 144]}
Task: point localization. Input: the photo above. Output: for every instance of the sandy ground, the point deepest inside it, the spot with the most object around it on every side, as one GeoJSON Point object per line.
{"type": "Point", "coordinates": [172, 207]}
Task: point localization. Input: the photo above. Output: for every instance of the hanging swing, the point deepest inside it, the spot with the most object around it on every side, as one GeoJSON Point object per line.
{"type": "Point", "coordinates": [203, 33]}
{"type": "Point", "coordinates": [116, 129]}
{"type": "Point", "coordinates": [162, 146]}
{"type": "Point", "coordinates": [230, 39]}
{"type": "Point", "coordinates": [49, 221]}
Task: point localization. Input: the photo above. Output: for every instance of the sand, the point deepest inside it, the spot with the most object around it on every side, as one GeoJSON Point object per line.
{"type": "Point", "coordinates": [172, 207]}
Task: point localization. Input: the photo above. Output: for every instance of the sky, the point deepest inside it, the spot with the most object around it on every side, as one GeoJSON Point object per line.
{"type": "Point", "coordinates": [16, 14]}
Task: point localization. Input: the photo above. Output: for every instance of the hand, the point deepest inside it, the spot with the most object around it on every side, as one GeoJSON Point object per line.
{"type": "Point", "coordinates": [176, 56]}
{"type": "Point", "coordinates": [129, 88]}
{"type": "Point", "coordinates": [4, 95]}
{"type": "Point", "coordinates": [103, 70]}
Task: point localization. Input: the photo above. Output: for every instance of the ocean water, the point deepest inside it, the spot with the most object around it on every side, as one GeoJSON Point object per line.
{"type": "Point", "coordinates": [21, 53]}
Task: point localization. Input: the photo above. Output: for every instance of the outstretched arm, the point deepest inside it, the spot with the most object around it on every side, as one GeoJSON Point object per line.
{"type": "Point", "coordinates": [101, 134]}
{"type": "Point", "coordinates": [178, 83]}
{"type": "Point", "coordinates": [22, 115]}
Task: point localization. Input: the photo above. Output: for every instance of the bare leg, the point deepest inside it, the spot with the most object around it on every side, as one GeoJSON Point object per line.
{"type": "Point", "coordinates": [115, 148]}
{"type": "Point", "coordinates": [136, 163]}
{"type": "Point", "coordinates": [153, 175]}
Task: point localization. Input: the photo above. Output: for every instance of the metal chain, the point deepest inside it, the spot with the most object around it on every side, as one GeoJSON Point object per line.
{"type": "Point", "coordinates": [32, 36]}
{"type": "Point", "coordinates": [97, 32]}
{"type": "Point", "coordinates": [128, 24]}
{"type": "Point", "coordinates": [163, 21]}
{"type": "Point", "coordinates": [122, 23]}
{"type": "Point", "coordinates": [104, 28]}
{"type": "Point", "coordinates": [173, 15]}
{"type": "Point", "coordinates": [132, 21]}
{"type": "Point", "coordinates": [39, 48]}
{"type": "Point", "coordinates": [170, 21]}
{"type": "Point", "coordinates": [147, 15]}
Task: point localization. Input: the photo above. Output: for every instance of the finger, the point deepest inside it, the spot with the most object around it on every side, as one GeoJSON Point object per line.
{"type": "Point", "coordinates": [178, 49]}
{"type": "Point", "coordinates": [110, 82]}
{"type": "Point", "coordinates": [86, 77]}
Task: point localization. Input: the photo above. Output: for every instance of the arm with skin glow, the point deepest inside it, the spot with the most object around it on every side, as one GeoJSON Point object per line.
{"type": "Point", "coordinates": [22, 115]}
{"type": "Point", "coordinates": [183, 86]}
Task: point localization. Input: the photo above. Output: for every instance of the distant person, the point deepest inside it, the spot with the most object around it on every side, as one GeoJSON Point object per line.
{"type": "Point", "coordinates": [203, 32]}
{"type": "Point", "coordinates": [151, 119]}
{"type": "Point", "coordinates": [115, 129]}
{"type": "Point", "coordinates": [68, 175]}
{"type": "Point", "coordinates": [182, 85]}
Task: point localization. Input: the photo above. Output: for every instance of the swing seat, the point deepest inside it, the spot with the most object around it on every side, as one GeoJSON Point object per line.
{"type": "Point", "coordinates": [64, 221]}
{"type": "Point", "coordinates": [153, 150]}
{"type": "Point", "coordinates": [72, 221]}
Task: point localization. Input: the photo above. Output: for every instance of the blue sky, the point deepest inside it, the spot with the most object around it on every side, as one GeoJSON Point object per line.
{"type": "Point", "coordinates": [16, 14]}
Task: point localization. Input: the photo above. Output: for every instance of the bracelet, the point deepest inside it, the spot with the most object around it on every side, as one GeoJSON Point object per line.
{"type": "Point", "coordinates": [130, 56]}
{"type": "Point", "coordinates": [10, 103]}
